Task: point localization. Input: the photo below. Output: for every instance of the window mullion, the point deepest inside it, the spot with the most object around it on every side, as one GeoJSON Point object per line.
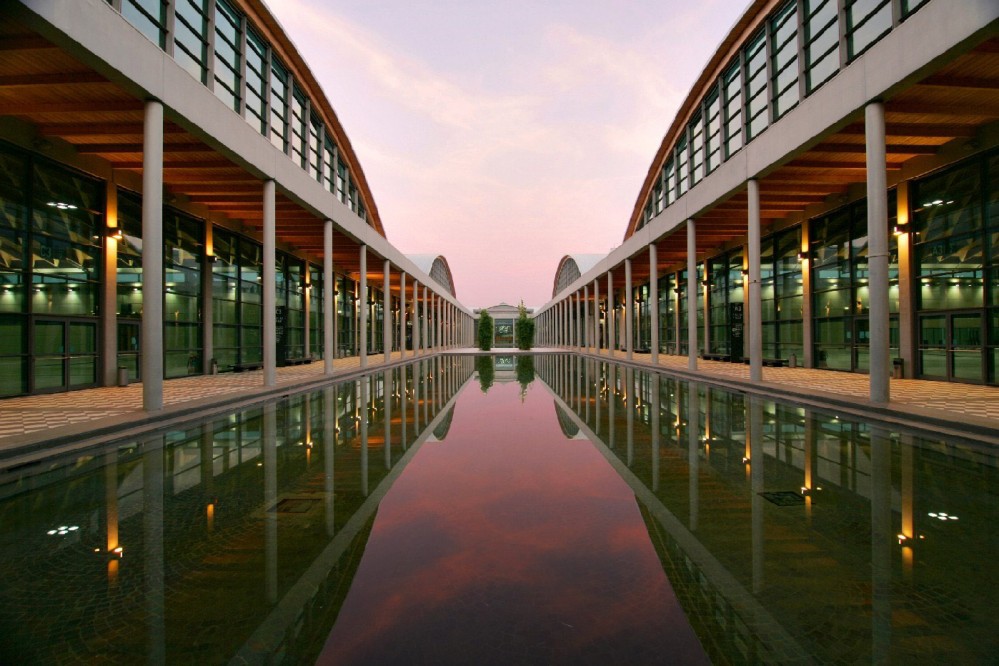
{"type": "Point", "coordinates": [209, 64]}
{"type": "Point", "coordinates": [169, 27]}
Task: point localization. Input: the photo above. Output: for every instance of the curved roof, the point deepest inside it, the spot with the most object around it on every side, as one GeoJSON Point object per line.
{"type": "Point", "coordinates": [266, 22]}
{"type": "Point", "coordinates": [571, 267]}
{"type": "Point", "coordinates": [435, 265]}
{"type": "Point", "coordinates": [744, 27]}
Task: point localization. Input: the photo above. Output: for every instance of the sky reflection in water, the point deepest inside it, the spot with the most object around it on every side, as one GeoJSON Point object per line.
{"type": "Point", "coordinates": [509, 542]}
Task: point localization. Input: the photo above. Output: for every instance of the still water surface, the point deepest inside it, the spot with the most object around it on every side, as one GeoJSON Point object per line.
{"type": "Point", "coordinates": [541, 509]}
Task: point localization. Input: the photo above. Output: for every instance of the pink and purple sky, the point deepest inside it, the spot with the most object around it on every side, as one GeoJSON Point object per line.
{"type": "Point", "coordinates": [505, 135]}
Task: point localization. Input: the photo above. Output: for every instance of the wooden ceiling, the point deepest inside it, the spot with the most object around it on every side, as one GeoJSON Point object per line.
{"type": "Point", "coordinates": [950, 104]}
{"type": "Point", "coordinates": [64, 99]}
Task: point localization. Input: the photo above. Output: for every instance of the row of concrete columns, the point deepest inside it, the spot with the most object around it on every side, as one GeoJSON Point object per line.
{"type": "Point", "coordinates": [566, 322]}
{"type": "Point", "coordinates": [451, 326]}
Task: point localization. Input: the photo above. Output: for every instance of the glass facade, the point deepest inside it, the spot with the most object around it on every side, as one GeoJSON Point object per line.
{"type": "Point", "coordinates": [800, 39]}
{"type": "Point", "coordinates": [955, 218]}
{"type": "Point", "coordinates": [51, 244]}
{"type": "Point", "coordinates": [840, 292]}
{"type": "Point", "coordinates": [247, 75]}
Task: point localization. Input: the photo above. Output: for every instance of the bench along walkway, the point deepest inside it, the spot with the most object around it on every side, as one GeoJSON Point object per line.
{"type": "Point", "coordinates": [33, 423]}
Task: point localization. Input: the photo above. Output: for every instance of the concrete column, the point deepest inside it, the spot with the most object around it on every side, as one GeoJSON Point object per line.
{"type": "Point", "coordinates": [387, 312]}
{"type": "Point", "coordinates": [563, 324]}
{"type": "Point", "coordinates": [654, 301]}
{"type": "Point", "coordinates": [362, 297]}
{"type": "Point", "coordinates": [755, 306]}
{"type": "Point", "coordinates": [577, 320]}
{"type": "Point", "coordinates": [596, 318]}
{"type": "Point", "coordinates": [609, 323]}
{"type": "Point", "coordinates": [586, 318]}
{"type": "Point", "coordinates": [329, 308]}
{"type": "Point", "coordinates": [440, 321]}
{"type": "Point", "coordinates": [270, 281]}
{"type": "Point", "coordinates": [877, 249]}
{"type": "Point", "coordinates": [691, 295]}
{"type": "Point", "coordinates": [425, 338]}
{"type": "Point", "coordinates": [152, 257]}
{"type": "Point", "coordinates": [629, 312]}
{"type": "Point", "coordinates": [416, 318]}
{"type": "Point", "coordinates": [402, 315]}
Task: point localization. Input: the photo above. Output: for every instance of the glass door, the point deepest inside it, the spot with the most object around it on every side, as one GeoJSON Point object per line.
{"type": "Point", "coordinates": [966, 347]}
{"type": "Point", "coordinates": [950, 346]}
{"type": "Point", "coordinates": [49, 358]}
{"type": "Point", "coordinates": [64, 355]}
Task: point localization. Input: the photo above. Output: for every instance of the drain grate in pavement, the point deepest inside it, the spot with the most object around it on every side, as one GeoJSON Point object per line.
{"type": "Point", "coordinates": [784, 498]}
{"type": "Point", "coordinates": [293, 505]}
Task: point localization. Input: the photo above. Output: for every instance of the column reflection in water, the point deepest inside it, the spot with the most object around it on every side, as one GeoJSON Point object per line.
{"type": "Point", "coordinates": [810, 441]}
{"type": "Point", "coordinates": [330, 426]}
{"type": "Point", "coordinates": [693, 460]}
{"type": "Point", "coordinates": [630, 405]}
{"type": "Point", "coordinates": [756, 470]}
{"type": "Point", "coordinates": [208, 474]}
{"type": "Point", "coordinates": [363, 408]}
{"type": "Point", "coordinates": [611, 404]}
{"type": "Point", "coordinates": [388, 392]}
{"type": "Point", "coordinates": [599, 389]}
{"type": "Point", "coordinates": [111, 514]}
{"type": "Point", "coordinates": [269, 444]}
{"type": "Point", "coordinates": [152, 523]}
{"type": "Point", "coordinates": [908, 533]}
{"type": "Point", "coordinates": [587, 363]}
{"type": "Point", "coordinates": [425, 390]}
{"type": "Point", "coordinates": [655, 431]}
{"type": "Point", "coordinates": [881, 546]}
{"type": "Point", "coordinates": [403, 405]}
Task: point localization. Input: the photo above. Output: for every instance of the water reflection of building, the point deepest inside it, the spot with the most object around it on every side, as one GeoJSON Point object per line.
{"type": "Point", "coordinates": [263, 513]}
{"type": "Point", "coordinates": [179, 197]}
{"type": "Point", "coordinates": [809, 205]}
{"type": "Point", "coordinates": [880, 536]}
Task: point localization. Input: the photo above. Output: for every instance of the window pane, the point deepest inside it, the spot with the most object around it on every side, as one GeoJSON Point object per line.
{"type": "Point", "coordinates": [784, 37]}
{"type": "Point", "coordinates": [228, 36]}
{"type": "Point", "coordinates": [866, 22]}
{"type": "Point", "coordinates": [821, 42]}
{"type": "Point", "coordinates": [732, 90]}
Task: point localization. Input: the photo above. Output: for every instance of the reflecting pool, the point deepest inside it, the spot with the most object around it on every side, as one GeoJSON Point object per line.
{"type": "Point", "coordinates": [517, 509]}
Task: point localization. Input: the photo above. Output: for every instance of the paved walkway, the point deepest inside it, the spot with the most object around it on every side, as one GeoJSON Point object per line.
{"type": "Point", "coordinates": [968, 410]}
{"type": "Point", "coordinates": [34, 423]}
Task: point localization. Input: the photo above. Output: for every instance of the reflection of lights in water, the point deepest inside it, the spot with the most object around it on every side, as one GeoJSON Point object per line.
{"type": "Point", "coordinates": [63, 530]}
{"type": "Point", "coordinates": [940, 515]}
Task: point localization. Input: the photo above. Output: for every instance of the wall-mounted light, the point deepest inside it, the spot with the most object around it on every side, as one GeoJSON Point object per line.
{"type": "Point", "coordinates": [212, 258]}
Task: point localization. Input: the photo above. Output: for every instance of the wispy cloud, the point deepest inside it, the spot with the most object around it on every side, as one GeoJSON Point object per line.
{"type": "Point", "coordinates": [535, 151]}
